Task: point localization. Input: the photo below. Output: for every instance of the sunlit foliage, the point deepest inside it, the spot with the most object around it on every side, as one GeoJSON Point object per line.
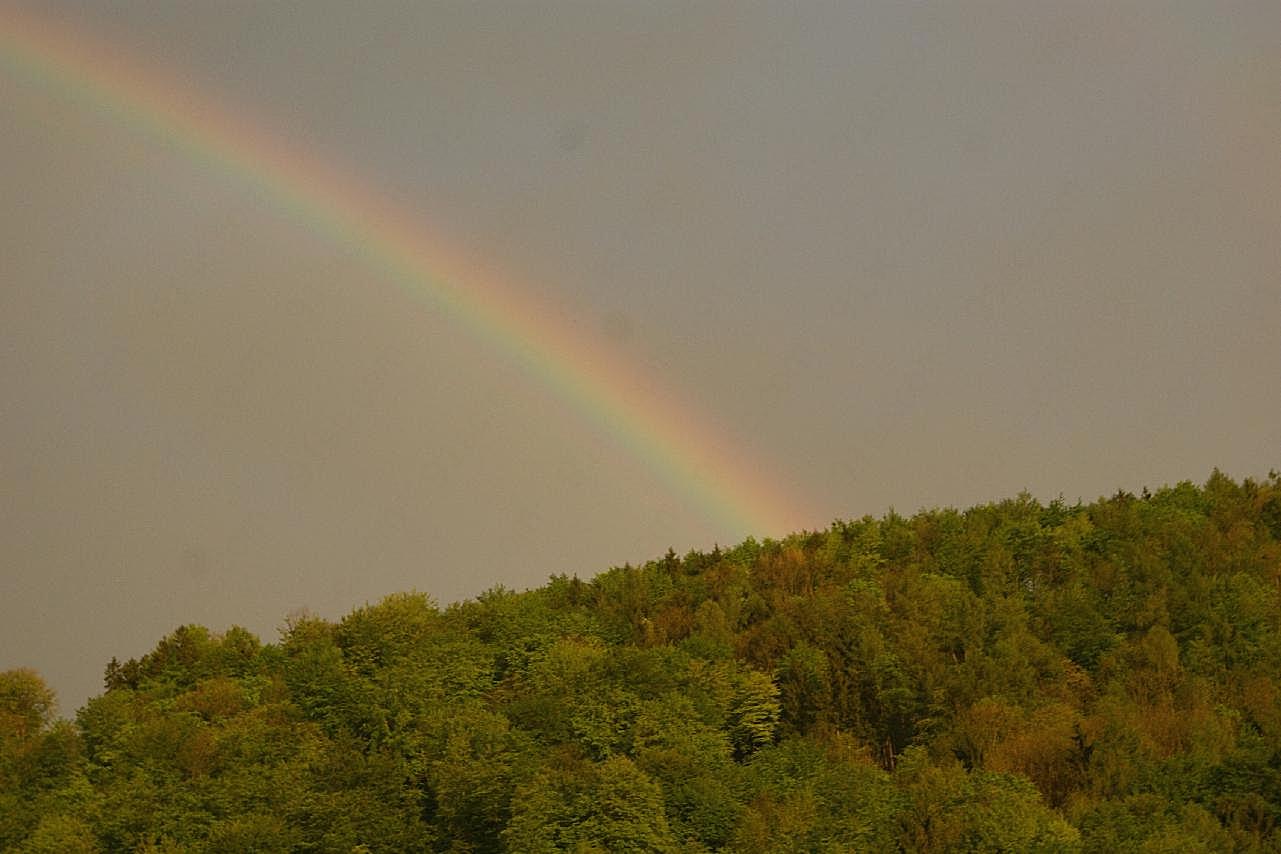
{"type": "Point", "coordinates": [1013, 677]}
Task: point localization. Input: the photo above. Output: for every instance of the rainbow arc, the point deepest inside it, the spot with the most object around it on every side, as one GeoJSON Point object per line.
{"type": "Point", "coordinates": [681, 448]}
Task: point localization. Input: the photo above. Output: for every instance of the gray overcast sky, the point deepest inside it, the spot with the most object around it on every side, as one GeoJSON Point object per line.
{"type": "Point", "coordinates": [906, 254]}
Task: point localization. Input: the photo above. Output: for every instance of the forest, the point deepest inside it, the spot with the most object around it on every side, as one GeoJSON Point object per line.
{"type": "Point", "coordinates": [1018, 676]}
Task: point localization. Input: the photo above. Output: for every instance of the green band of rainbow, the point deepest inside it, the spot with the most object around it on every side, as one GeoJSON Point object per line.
{"type": "Point", "coordinates": [667, 437]}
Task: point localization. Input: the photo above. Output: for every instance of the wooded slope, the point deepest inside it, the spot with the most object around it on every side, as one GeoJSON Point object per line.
{"type": "Point", "coordinates": [1013, 677]}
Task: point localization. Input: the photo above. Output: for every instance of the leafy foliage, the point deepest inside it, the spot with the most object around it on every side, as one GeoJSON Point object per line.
{"type": "Point", "coordinates": [1013, 677]}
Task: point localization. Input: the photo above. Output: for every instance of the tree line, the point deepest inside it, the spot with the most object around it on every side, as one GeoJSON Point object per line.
{"type": "Point", "coordinates": [1018, 676]}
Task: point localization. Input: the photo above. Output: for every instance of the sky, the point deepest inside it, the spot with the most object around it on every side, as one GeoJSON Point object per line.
{"type": "Point", "coordinates": [872, 255]}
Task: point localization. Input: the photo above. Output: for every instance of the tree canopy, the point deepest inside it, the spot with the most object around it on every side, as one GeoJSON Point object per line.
{"type": "Point", "coordinates": [1017, 676]}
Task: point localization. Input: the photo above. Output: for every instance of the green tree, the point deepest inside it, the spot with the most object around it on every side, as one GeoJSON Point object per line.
{"type": "Point", "coordinates": [583, 806]}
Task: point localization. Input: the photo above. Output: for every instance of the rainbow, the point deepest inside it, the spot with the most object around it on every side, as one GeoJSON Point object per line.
{"type": "Point", "coordinates": [665, 435]}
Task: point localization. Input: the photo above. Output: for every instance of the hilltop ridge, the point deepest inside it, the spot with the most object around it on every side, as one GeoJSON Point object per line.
{"type": "Point", "coordinates": [1016, 676]}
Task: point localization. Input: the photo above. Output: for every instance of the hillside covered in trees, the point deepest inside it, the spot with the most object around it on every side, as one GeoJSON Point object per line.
{"type": "Point", "coordinates": [1015, 677]}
